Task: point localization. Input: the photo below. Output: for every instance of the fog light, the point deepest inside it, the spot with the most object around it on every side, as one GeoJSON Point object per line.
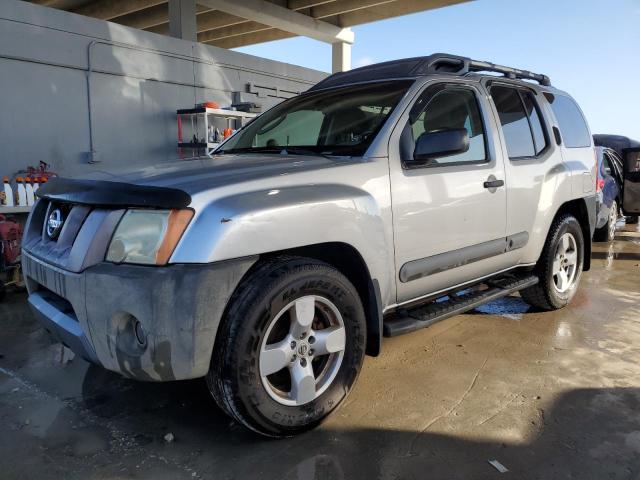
{"type": "Point", "coordinates": [140, 335]}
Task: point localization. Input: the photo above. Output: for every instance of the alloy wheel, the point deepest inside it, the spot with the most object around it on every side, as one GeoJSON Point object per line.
{"type": "Point", "coordinates": [302, 350]}
{"type": "Point", "coordinates": [565, 263]}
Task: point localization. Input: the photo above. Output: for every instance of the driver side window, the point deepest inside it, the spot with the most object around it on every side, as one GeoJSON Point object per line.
{"type": "Point", "coordinates": [449, 108]}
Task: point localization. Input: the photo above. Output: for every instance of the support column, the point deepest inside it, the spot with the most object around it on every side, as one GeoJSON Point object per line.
{"type": "Point", "coordinates": [340, 57]}
{"type": "Point", "coordinates": [182, 19]}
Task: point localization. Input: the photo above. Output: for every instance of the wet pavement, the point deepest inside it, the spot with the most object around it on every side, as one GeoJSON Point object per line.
{"type": "Point", "coordinates": [548, 395]}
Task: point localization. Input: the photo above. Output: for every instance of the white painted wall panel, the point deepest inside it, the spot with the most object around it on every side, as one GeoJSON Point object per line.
{"type": "Point", "coordinates": [137, 80]}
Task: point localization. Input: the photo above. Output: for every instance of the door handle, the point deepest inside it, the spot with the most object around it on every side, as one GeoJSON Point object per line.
{"type": "Point", "coordinates": [493, 183]}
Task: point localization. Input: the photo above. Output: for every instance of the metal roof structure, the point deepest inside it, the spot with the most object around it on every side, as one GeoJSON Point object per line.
{"type": "Point", "coordinates": [237, 23]}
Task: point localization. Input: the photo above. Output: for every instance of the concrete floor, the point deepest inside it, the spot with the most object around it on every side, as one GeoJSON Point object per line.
{"type": "Point", "coordinates": [548, 395]}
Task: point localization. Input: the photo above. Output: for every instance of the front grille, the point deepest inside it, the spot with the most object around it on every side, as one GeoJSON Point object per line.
{"type": "Point", "coordinates": [82, 240]}
{"type": "Point", "coordinates": [72, 218]}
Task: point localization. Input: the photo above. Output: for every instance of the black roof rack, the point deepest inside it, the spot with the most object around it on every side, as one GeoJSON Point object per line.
{"type": "Point", "coordinates": [417, 66]}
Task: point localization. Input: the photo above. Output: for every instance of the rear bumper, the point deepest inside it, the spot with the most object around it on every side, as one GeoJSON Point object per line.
{"type": "Point", "coordinates": [94, 313]}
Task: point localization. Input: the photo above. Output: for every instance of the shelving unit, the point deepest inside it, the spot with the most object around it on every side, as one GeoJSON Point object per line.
{"type": "Point", "coordinates": [17, 209]}
{"type": "Point", "coordinates": [196, 127]}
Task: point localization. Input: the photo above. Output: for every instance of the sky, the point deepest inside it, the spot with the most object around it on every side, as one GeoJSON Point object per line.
{"type": "Point", "coordinates": [589, 48]}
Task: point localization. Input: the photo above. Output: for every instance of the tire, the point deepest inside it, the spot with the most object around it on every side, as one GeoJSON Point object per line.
{"type": "Point", "coordinates": [260, 320]}
{"type": "Point", "coordinates": [608, 231]}
{"type": "Point", "coordinates": [632, 219]}
{"type": "Point", "coordinates": [547, 295]}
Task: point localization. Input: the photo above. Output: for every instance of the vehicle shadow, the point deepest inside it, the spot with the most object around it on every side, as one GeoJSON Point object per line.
{"type": "Point", "coordinates": [584, 433]}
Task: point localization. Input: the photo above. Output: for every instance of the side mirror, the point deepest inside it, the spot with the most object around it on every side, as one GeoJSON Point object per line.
{"type": "Point", "coordinates": [441, 143]}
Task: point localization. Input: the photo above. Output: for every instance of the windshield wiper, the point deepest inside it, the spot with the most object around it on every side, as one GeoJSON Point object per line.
{"type": "Point", "coordinates": [251, 150]}
{"type": "Point", "coordinates": [280, 150]}
{"type": "Point", "coordinates": [305, 151]}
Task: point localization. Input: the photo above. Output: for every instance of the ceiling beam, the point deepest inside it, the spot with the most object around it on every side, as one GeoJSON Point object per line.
{"type": "Point", "coordinates": [396, 9]}
{"type": "Point", "coordinates": [209, 19]}
{"type": "Point", "coordinates": [151, 17]}
{"type": "Point", "coordinates": [109, 9]}
{"type": "Point", "coordinates": [345, 6]}
{"type": "Point", "coordinates": [328, 9]}
{"type": "Point", "coordinates": [283, 19]}
{"type": "Point", "coordinates": [300, 4]}
{"type": "Point", "coordinates": [231, 31]}
{"type": "Point", "coordinates": [253, 38]}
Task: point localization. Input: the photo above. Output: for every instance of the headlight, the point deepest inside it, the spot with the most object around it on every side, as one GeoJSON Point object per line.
{"type": "Point", "coordinates": [148, 236]}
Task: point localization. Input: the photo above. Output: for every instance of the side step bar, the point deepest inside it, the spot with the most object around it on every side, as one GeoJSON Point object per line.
{"type": "Point", "coordinates": [456, 303]}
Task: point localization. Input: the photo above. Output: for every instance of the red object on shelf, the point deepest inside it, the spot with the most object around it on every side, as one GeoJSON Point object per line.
{"type": "Point", "coordinates": [10, 240]}
{"type": "Point", "coordinates": [42, 172]}
{"type": "Point", "coordinates": [211, 105]}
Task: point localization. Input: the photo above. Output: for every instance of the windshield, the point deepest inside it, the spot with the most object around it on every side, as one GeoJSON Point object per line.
{"type": "Point", "coordinates": [341, 121]}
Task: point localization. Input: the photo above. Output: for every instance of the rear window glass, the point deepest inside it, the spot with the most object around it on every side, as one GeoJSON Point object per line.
{"type": "Point", "coordinates": [574, 130]}
{"type": "Point", "coordinates": [534, 119]}
{"type": "Point", "coordinates": [515, 124]}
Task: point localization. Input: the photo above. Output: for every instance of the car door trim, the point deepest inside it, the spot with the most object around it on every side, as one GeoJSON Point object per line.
{"type": "Point", "coordinates": [440, 262]}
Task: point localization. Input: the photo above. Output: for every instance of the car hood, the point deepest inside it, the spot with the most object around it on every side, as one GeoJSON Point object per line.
{"type": "Point", "coordinates": [197, 175]}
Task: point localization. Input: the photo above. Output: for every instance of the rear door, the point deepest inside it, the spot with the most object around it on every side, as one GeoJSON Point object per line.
{"type": "Point", "coordinates": [612, 178]}
{"type": "Point", "coordinates": [631, 185]}
{"type": "Point", "coordinates": [615, 164]}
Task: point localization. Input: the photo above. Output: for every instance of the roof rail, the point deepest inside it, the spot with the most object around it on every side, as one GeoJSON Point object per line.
{"type": "Point", "coordinates": [435, 63]}
{"type": "Point", "coordinates": [444, 63]}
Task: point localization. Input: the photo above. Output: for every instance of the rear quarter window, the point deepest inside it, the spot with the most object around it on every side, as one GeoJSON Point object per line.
{"type": "Point", "coordinates": [573, 127]}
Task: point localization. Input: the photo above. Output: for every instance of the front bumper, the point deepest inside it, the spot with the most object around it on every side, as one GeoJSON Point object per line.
{"type": "Point", "coordinates": [93, 312]}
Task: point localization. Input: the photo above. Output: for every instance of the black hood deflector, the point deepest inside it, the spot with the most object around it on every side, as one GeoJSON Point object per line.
{"type": "Point", "coordinates": [112, 194]}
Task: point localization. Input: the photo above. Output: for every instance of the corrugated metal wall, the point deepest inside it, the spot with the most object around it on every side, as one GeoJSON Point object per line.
{"type": "Point", "coordinates": [61, 73]}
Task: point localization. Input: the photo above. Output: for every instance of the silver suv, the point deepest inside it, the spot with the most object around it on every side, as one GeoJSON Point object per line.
{"type": "Point", "coordinates": [379, 202]}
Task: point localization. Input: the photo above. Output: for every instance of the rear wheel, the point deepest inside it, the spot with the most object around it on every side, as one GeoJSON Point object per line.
{"type": "Point", "coordinates": [608, 232]}
{"type": "Point", "coordinates": [559, 267]}
{"type": "Point", "coordinates": [291, 346]}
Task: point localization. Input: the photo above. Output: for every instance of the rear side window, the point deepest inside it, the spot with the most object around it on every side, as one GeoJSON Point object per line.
{"type": "Point", "coordinates": [521, 126]}
{"type": "Point", "coordinates": [574, 130]}
{"type": "Point", "coordinates": [535, 121]}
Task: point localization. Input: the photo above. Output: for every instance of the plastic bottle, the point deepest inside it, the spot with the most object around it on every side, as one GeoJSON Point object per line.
{"type": "Point", "coordinates": [29, 188]}
{"type": "Point", "coordinates": [21, 193]}
{"type": "Point", "coordinates": [8, 193]}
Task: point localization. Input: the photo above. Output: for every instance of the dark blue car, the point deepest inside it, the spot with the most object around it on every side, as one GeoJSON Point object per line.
{"type": "Point", "coordinates": [621, 160]}
{"type": "Point", "coordinates": [608, 190]}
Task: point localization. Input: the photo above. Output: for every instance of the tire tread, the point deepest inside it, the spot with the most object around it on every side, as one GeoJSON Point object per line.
{"type": "Point", "coordinates": [538, 295]}
{"type": "Point", "coordinates": [247, 296]}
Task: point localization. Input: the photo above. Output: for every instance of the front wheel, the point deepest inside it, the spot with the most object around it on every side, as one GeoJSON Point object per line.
{"type": "Point", "coordinates": [290, 348]}
{"type": "Point", "coordinates": [559, 267]}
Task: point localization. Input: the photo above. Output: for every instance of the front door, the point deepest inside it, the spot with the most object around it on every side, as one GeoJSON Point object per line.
{"type": "Point", "coordinates": [449, 213]}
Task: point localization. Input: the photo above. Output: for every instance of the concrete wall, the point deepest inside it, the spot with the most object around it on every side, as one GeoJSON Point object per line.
{"type": "Point", "coordinates": [61, 73]}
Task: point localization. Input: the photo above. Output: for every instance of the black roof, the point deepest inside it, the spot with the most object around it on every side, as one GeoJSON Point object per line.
{"type": "Point", "coordinates": [616, 142]}
{"type": "Point", "coordinates": [437, 63]}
